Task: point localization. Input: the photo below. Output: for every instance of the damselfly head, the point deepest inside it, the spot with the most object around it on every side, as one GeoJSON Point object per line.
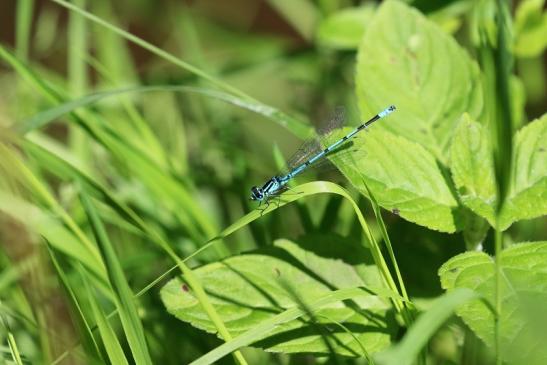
{"type": "Point", "coordinates": [257, 193]}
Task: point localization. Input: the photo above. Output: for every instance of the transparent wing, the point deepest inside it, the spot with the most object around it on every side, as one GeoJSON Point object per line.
{"type": "Point", "coordinates": [318, 142]}
{"type": "Point", "coordinates": [335, 120]}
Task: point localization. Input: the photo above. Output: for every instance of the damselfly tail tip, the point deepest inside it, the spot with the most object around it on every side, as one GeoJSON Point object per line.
{"type": "Point", "coordinates": [387, 111]}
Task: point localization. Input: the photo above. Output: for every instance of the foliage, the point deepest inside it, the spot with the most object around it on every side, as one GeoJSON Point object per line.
{"type": "Point", "coordinates": [117, 178]}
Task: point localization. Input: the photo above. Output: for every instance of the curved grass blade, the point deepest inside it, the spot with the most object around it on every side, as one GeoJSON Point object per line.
{"type": "Point", "coordinates": [262, 330]}
{"type": "Point", "coordinates": [41, 119]}
{"type": "Point", "coordinates": [366, 355]}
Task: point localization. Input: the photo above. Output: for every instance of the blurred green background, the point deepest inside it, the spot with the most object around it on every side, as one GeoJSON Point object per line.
{"type": "Point", "coordinates": [297, 56]}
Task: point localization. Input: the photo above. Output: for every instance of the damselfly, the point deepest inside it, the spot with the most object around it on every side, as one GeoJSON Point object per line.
{"type": "Point", "coordinates": [278, 183]}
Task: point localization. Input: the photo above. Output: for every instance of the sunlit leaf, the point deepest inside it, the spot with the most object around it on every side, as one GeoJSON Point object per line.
{"type": "Point", "coordinates": [527, 196]}
{"type": "Point", "coordinates": [407, 60]}
{"type": "Point", "coordinates": [248, 290]}
{"type": "Point", "coordinates": [403, 176]}
{"type": "Point", "coordinates": [523, 294]}
{"type": "Point", "coordinates": [472, 168]}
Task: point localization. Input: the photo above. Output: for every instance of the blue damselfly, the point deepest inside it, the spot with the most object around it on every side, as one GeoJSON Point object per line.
{"type": "Point", "coordinates": [277, 184]}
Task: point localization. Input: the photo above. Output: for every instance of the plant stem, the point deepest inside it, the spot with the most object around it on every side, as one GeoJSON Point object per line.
{"type": "Point", "coordinates": [23, 26]}
{"type": "Point", "coordinates": [497, 332]}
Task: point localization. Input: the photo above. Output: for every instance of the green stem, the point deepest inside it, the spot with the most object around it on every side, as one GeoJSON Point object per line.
{"type": "Point", "coordinates": [23, 25]}
{"type": "Point", "coordinates": [406, 313]}
{"type": "Point", "coordinates": [497, 332]}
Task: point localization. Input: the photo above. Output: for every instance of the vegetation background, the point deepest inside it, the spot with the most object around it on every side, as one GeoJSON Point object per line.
{"type": "Point", "coordinates": [132, 131]}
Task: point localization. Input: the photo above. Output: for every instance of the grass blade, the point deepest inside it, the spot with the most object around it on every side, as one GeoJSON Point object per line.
{"type": "Point", "coordinates": [41, 119]}
{"type": "Point", "coordinates": [124, 299]}
{"type": "Point", "coordinates": [112, 345]}
{"type": "Point", "coordinates": [89, 341]}
{"type": "Point", "coordinates": [427, 324]}
{"type": "Point", "coordinates": [23, 25]}
{"type": "Point", "coordinates": [14, 350]}
{"type": "Point", "coordinates": [262, 330]}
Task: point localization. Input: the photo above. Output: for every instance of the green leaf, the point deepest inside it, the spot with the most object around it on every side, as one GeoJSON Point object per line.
{"type": "Point", "coordinates": [290, 314]}
{"type": "Point", "coordinates": [345, 28]}
{"type": "Point", "coordinates": [247, 290]}
{"type": "Point", "coordinates": [530, 28]}
{"type": "Point", "coordinates": [407, 60]}
{"type": "Point", "coordinates": [473, 172]}
{"type": "Point", "coordinates": [523, 293]}
{"type": "Point", "coordinates": [527, 196]}
{"type": "Point", "coordinates": [472, 168]}
{"type": "Point", "coordinates": [403, 176]}
{"type": "Point", "coordinates": [406, 351]}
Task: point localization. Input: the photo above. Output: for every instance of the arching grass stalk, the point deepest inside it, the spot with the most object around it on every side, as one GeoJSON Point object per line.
{"type": "Point", "coordinates": [407, 313]}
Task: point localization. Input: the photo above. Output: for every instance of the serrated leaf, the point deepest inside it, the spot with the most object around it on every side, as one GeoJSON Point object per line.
{"type": "Point", "coordinates": [407, 60]}
{"type": "Point", "coordinates": [403, 176]}
{"type": "Point", "coordinates": [345, 28]}
{"type": "Point", "coordinates": [248, 290]}
{"type": "Point", "coordinates": [530, 28]}
{"type": "Point", "coordinates": [523, 293]}
{"type": "Point", "coordinates": [527, 197]}
{"type": "Point", "coordinates": [472, 168]}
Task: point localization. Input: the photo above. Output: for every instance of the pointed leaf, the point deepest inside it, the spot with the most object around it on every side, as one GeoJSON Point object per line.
{"type": "Point", "coordinates": [527, 196]}
{"type": "Point", "coordinates": [407, 60]}
{"type": "Point", "coordinates": [472, 168]}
